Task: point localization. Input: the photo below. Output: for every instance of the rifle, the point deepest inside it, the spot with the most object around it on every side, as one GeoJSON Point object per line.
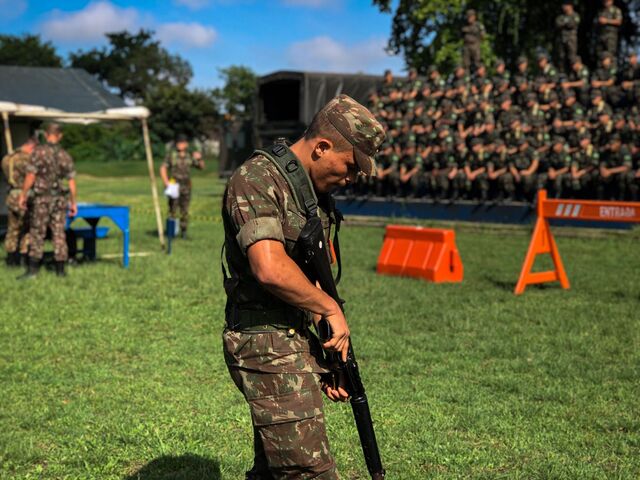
{"type": "Point", "coordinates": [313, 259]}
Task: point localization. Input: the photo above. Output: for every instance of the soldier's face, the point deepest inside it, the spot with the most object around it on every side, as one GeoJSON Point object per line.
{"type": "Point", "coordinates": [332, 169]}
{"type": "Point", "coordinates": [182, 146]}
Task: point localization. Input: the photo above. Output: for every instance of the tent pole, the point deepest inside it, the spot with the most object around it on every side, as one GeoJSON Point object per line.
{"type": "Point", "coordinates": [7, 132]}
{"type": "Point", "coordinates": [152, 177]}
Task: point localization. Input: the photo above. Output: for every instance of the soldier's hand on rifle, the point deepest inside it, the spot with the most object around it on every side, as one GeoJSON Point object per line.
{"type": "Point", "coordinates": [339, 341]}
{"type": "Point", "coordinates": [336, 393]}
{"type": "Point", "coordinates": [22, 201]}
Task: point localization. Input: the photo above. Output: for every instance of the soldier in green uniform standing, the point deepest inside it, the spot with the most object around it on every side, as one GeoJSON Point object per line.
{"type": "Point", "coordinates": [14, 167]}
{"type": "Point", "coordinates": [49, 166]}
{"type": "Point", "coordinates": [608, 22]}
{"type": "Point", "coordinates": [177, 168]}
{"type": "Point", "coordinates": [473, 34]}
{"type": "Point", "coordinates": [567, 24]}
{"type": "Point", "coordinates": [272, 356]}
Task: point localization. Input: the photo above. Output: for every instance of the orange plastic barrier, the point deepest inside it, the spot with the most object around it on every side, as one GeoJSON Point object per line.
{"type": "Point", "coordinates": [542, 240]}
{"type": "Point", "coordinates": [427, 253]}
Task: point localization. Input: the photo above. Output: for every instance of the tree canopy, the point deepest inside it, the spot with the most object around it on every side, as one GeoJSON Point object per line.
{"type": "Point", "coordinates": [28, 51]}
{"type": "Point", "coordinates": [134, 64]}
{"type": "Point", "coordinates": [427, 32]}
{"type": "Point", "coordinates": [236, 96]}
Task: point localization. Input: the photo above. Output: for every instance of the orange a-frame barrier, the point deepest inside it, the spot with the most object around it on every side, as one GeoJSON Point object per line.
{"type": "Point", "coordinates": [542, 240]}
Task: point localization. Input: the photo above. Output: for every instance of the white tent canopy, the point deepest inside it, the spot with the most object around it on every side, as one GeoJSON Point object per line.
{"type": "Point", "coordinates": [9, 110]}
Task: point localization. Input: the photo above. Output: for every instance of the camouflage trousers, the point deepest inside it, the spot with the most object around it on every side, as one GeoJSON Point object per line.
{"type": "Point", "coordinates": [48, 212]}
{"type": "Point", "coordinates": [471, 57]}
{"type": "Point", "coordinates": [556, 187]}
{"type": "Point", "coordinates": [17, 238]}
{"type": "Point", "coordinates": [181, 203]}
{"type": "Point", "coordinates": [278, 373]}
{"type": "Point", "coordinates": [617, 186]}
{"type": "Point", "coordinates": [567, 53]}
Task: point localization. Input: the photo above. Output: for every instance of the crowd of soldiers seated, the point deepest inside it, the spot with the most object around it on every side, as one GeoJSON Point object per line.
{"type": "Point", "coordinates": [504, 136]}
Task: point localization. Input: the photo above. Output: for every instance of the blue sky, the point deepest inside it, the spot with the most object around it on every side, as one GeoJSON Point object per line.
{"type": "Point", "coordinates": [266, 35]}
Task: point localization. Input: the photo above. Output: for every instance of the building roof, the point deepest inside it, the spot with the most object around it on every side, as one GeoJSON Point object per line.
{"type": "Point", "coordinates": [65, 89]}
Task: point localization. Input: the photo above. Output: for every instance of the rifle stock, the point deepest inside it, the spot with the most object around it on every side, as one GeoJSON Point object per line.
{"type": "Point", "coordinates": [313, 259]}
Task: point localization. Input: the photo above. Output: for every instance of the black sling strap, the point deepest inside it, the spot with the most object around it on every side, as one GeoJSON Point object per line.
{"type": "Point", "coordinates": [304, 196]}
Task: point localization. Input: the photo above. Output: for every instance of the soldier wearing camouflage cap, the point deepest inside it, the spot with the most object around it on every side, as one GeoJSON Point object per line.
{"type": "Point", "coordinates": [269, 350]}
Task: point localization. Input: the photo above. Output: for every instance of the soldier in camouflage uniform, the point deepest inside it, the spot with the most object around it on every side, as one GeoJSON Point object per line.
{"type": "Point", "coordinates": [567, 24]}
{"type": "Point", "coordinates": [473, 34]}
{"type": "Point", "coordinates": [177, 168]}
{"type": "Point", "coordinates": [476, 180]}
{"type": "Point", "coordinates": [609, 22]}
{"type": "Point", "coordinates": [387, 182]}
{"type": "Point", "coordinates": [616, 174]}
{"type": "Point", "coordinates": [630, 81]}
{"type": "Point", "coordinates": [270, 352]}
{"type": "Point", "coordinates": [497, 171]}
{"type": "Point", "coordinates": [584, 166]}
{"type": "Point", "coordinates": [523, 165]}
{"type": "Point", "coordinates": [14, 167]}
{"type": "Point", "coordinates": [553, 171]}
{"type": "Point", "coordinates": [49, 166]}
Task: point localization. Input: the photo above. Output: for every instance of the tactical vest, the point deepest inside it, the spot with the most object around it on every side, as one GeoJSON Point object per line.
{"type": "Point", "coordinates": [254, 296]}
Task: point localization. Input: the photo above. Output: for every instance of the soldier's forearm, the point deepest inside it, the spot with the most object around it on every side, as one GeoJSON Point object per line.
{"type": "Point", "coordinates": [29, 180]}
{"type": "Point", "coordinates": [72, 190]}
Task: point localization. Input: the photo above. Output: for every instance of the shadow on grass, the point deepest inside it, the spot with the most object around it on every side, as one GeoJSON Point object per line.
{"type": "Point", "coordinates": [183, 467]}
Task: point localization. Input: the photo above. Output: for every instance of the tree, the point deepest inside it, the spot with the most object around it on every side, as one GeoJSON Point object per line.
{"type": "Point", "coordinates": [428, 31]}
{"type": "Point", "coordinates": [175, 109]}
{"type": "Point", "coordinates": [236, 96]}
{"type": "Point", "coordinates": [28, 51]}
{"type": "Point", "coordinates": [134, 64]}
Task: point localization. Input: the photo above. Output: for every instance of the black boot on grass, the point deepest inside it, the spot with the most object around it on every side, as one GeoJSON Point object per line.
{"type": "Point", "coordinates": [60, 269]}
{"type": "Point", "coordinates": [32, 270]}
{"type": "Point", "coordinates": [13, 259]}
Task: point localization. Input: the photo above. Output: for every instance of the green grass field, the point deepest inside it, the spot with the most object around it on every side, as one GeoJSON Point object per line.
{"type": "Point", "coordinates": [118, 374]}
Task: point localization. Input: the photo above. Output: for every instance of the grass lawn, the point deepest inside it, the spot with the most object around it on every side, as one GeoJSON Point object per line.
{"type": "Point", "coordinates": [118, 374]}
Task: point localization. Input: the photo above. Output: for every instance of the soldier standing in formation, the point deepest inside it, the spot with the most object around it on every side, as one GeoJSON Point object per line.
{"type": "Point", "coordinates": [567, 24]}
{"type": "Point", "coordinates": [177, 168]}
{"type": "Point", "coordinates": [50, 165]}
{"type": "Point", "coordinates": [271, 355]}
{"type": "Point", "coordinates": [609, 22]}
{"type": "Point", "coordinates": [14, 167]}
{"type": "Point", "coordinates": [473, 34]}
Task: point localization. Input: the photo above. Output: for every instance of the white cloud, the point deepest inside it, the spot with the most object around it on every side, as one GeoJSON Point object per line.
{"type": "Point", "coordinates": [193, 4]}
{"type": "Point", "coordinates": [90, 23]}
{"type": "Point", "coordinates": [98, 18]}
{"type": "Point", "coordinates": [310, 3]}
{"type": "Point", "coordinates": [186, 34]}
{"type": "Point", "coordinates": [326, 54]}
{"type": "Point", "coordinates": [12, 9]}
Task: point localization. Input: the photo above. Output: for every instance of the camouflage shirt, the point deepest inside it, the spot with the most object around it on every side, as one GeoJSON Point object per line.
{"type": "Point", "coordinates": [14, 167]}
{"type": "Point", "coordinates": [260, 206]}
{"type": "Point", "coordinates": [51, 164]}
{"type": "Point", "coordinates": [179, 166]}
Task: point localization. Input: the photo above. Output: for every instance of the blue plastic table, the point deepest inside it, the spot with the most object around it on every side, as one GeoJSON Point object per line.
{"type": "Point", "coordinates": [93, 212]}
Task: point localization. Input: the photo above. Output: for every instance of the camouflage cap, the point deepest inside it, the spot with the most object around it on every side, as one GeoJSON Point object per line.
{"type": "Point", "coordinates": [359, 127]}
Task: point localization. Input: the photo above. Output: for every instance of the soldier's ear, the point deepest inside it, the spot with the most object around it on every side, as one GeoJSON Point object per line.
{"type": "Point", "coordinates": [322, 146]}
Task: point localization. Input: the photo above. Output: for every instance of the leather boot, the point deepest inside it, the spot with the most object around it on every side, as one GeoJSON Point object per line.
{"type": "Point", "coordinates": [60, 269]}
{"type": "Point", "coordinates": [13, 259]}
{"type": "Point", "coordinates": [32, 270]}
